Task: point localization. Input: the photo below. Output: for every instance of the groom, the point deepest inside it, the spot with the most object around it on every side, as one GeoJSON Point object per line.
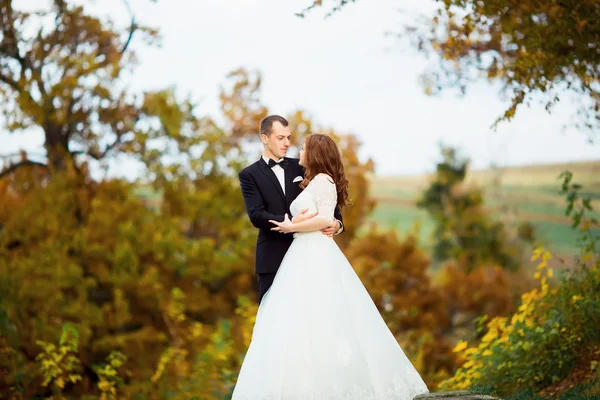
{"type": "Point", "coordinates": [269, 186]}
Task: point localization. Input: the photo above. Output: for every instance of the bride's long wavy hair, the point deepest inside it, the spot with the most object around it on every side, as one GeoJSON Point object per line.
{"type": "Point", "coordinates": [322, 156]}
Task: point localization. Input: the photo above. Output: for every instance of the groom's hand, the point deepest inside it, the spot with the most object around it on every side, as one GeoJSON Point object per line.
{"type": "Point", "coordinates": [303, 216]}
{"type": "Point", "coordinates": [332, 229]}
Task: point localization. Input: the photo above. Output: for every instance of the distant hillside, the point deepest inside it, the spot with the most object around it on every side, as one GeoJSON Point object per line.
{"type": "Point", "coordinates": [586, 173]}
{"type": "Point", "coordinates": [525, 193]}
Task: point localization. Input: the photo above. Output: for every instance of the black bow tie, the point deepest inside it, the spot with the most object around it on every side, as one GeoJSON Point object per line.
{"type": "Point", "coordinates": [283, 163]}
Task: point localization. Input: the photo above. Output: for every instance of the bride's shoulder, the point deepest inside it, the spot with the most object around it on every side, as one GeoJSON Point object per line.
{"type": "Point", "coordinates": [322, 179]}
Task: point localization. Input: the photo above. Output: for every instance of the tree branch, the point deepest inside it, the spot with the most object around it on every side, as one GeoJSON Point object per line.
{"type": "Point", "coordinates": [20, 154]}
{"type": "Point", "coordinates": [171, 329]}
{"type": "Point", "coordinates": [132, 27]}
{"type": "Point", "coordinates": [101, 155]}
{"type": "Point", "coordinates": [319, 3]}
{"type": "Point", "coordinates": [11, 82]}
{"type": "Point", "coordinates": [12, 50]}
{"type": "Point", "coordinates": [60, 8]}
{"type": "Point", "coordinates": [10, 36]}
{"type": "Point", "coordinates": [68, 128]}
{"type": "Point", "coordinates": [14, 167]}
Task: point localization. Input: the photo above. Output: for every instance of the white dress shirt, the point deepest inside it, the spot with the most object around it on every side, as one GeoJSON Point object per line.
{"type": "Point", "coordinates": [279, 172]}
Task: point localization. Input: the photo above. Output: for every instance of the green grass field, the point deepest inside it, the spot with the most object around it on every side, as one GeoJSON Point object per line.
{"type": "Point", "coordinates": [528, 193]}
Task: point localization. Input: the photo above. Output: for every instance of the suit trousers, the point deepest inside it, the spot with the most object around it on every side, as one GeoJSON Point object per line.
{"type": "Point", "coordinates": [264, 283]}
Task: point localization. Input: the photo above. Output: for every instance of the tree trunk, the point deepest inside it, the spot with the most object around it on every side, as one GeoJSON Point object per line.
{"type": "Point", "coordinates": [57, 148]}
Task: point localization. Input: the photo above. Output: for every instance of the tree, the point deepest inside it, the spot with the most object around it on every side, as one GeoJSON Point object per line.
{"type": "Point", "coordinates": [533, 49]}
{"type": "Point", "coordinates": [112, 271]}
{"type": "Point", "coordinates": [63, 77]}
{"type": "Point", "coordinates": [241, 104]}
{"type": "Point", "coordinates": [92, 254]}
{"type": "Point", "coordinates": [464, 231]}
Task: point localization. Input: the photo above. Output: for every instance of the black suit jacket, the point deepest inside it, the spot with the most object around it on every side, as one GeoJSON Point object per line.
{"type": "Point", "coordinates": [265, 200]}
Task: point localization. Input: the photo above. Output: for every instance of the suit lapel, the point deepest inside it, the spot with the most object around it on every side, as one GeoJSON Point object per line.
{"type": "Point", "coordinates": [264, 168]}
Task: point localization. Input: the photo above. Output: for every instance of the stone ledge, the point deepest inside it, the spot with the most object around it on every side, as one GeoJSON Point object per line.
{"type": "Point", "coordinates": [457, 395]}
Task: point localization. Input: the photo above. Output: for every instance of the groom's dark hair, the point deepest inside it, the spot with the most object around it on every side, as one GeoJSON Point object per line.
{"type": "Point", "coordinates": [266, 124]}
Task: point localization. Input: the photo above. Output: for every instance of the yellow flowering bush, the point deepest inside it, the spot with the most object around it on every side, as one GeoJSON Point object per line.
{"type": "Point", "coordinates": [539, 344]}
{"type": "Point", "coordinates": [109, 379]}
{"type": "Point", "coordinates": [59, 365]}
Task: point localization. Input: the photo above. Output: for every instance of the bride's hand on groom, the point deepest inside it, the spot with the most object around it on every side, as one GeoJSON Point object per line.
{"type": "Point", "coordinates": [284, 227]}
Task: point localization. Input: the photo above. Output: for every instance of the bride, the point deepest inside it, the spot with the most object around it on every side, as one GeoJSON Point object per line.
{"type": "Point", "coordinates": [318, 335]}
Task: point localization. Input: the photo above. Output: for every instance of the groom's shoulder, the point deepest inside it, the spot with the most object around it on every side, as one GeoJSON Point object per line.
{"type": "Point", "coordinates": [252, 167]}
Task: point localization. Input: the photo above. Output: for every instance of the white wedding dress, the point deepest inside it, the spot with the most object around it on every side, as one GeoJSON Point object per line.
{"type": "Point", "coordinates": [318, 335]}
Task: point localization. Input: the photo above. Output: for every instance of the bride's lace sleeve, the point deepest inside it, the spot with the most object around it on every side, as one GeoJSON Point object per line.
{"type": "Point", "coordinates": [325, 196]}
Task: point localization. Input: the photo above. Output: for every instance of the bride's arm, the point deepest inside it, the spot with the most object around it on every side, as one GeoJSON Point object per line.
{"type": "Point", "coordinates": [309, 225]}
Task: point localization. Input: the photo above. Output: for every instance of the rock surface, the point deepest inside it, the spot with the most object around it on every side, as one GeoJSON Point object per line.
{"type": "Point", "coordinates": [458, 395]}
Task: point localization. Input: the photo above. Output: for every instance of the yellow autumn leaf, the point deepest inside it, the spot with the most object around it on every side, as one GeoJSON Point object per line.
{"type": "Point", "coordinates": [585, 225]}
{"type": "Point", "coordinates": [470, 351]}
{"type": "Point", "coordinates": [536, 253]}
{"type": "Point", "coordinates": [547, 256]}
{"type": "Point", "coordinates": [542, 265]}
{"type": "Point", "coordinates": [60, 382]}
{"type": "Point", "coordinates": [460, 346]}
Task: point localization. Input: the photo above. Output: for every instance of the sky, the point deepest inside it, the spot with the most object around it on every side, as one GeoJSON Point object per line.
{"type": "Point", "coordinates": [344, 71]}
